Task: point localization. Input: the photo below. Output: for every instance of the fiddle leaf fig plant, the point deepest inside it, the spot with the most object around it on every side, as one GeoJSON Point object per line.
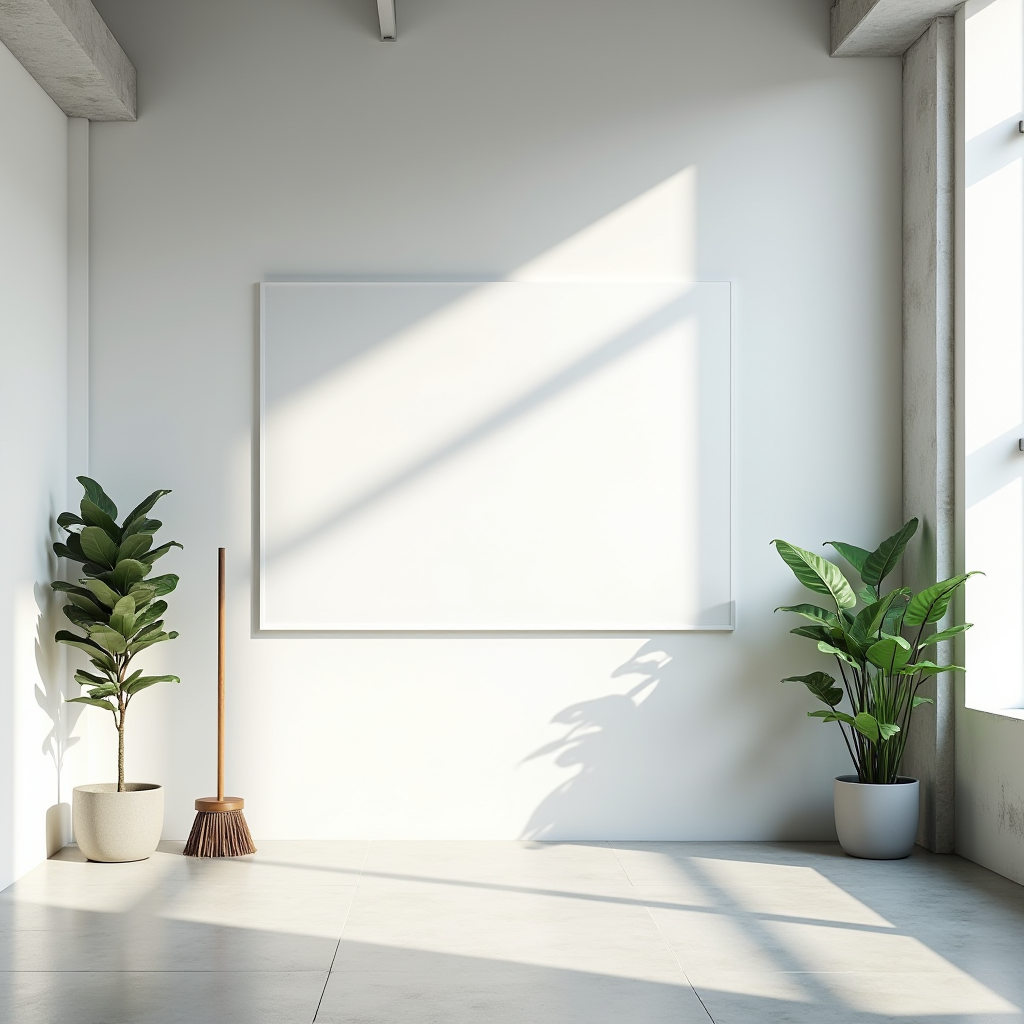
{"type": "Point", "coordinates": [117, 604]}
{"type": "Point", "coordinates": [880, 648]}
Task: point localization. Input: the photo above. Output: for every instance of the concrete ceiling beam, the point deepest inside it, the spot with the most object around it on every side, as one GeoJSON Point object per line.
{"type": "Point", "coordinates": [67, 48]}
{"type": "Point", "coordinates": [882, 28]}
{"type": "Point", "coordinates": [388, 21]}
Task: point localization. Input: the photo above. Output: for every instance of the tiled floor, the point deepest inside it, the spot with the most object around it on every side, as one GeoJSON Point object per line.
{"type": "Point", "coordinates": [525, 933]}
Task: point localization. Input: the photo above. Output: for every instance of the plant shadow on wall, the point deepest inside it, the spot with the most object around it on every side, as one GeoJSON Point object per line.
{"type": "Point", "coordinates": [50, 694]}
{"type": "Point", "coordinates": [612, 742]}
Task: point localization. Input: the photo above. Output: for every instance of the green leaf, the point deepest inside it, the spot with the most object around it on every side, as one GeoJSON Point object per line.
{"type": "Point", "coordinates": [812, 612]}
{"type": "Point", "coordinates": [98, 547]}
{"type": "Point", "coordinates": [106, 705]}
{"type": "Point", "coordinates": [163, 584]}
{"type": "Point", "coordinates": [65, 551]}
{"type": "Point", "coordinates": [159, 552]}
{"type": "Point", "coordinates": [888, 730]}
{"type": "Point", "coordinates": [98, 496]}
{"type": "Point", "coordinates": [931, 604]}
{"type": "Point", "coordinates": [831, 716]}
{"type": "Point", "coordinates": [88, 679]}
{"type": "Point", "coordinates": [868, 595]}
{"type": "Point", "coordinates": [929, 668]}
{"type": "Point", "coordinates": [946, 634]}
{"type": "Point", "coordinates": [135, 546]}
{"type": "Point", "coordinates": [123, 617]}
{"type": "Point", "coordinates": [142, 525]}
{"type": "Point", "coordinates": [127, 572]}
{"type": "Point", "coordinates": [822, 685]}
{"type": "Point", "coordinates": [151, 614]}
{"type": "Point", "coordinates": [887, 555]}
{"type": "Point", "coordinates": [107, 690]}
{"type": "Point", "coordinates": [814, 633]}
{"type": "Point", "coordinates": [87, 604]}
{"type": "Point", "coordinates": [143, 507]}
{"type": "Point", "coordinates": [918, 701]}
{"type": "Point", "coordinates": [817, 574]}
{"type": "Point", "coordinates": [68, 519]}
{"type": "Point", "coordinates": [144, 681]}
{"type": "Point", "coordinates": [889, 653]}
{"type": "Point", "coordinates": [827, 648]}
{"type": "Point", "coordinates": [854, 555]}
{"type": "Point", "coordinates": [110, 640]}
{"type": "Point", "coordinates": [104, 594]}
{"type": "Point", "coordinates": [869, 620]}
{"type": "Point", "coordinates": [64, 636]}
{"type": "Point", "coordinates": [95, 516]}
{"type": "Point", "coordinates": [82, 618]}
{"type": "Point", "coordinates": [148, 640]}
{"type": "Point", "coordinates": [867, 725]}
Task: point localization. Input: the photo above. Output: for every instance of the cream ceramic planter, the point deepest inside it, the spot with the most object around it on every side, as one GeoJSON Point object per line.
{"type": "Point", "coordinates": [115, 827]}
{"type": "Point", "coordinates": [877, 822]}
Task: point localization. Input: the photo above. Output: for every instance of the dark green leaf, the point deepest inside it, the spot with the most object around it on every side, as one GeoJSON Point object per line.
{"type": "Point", "coordinates": [122, 618]}
{"type": "Point", "coordinates": [814, 633]}
{"type": "Point", "coordinates": [144, 681]}
{"type": "Point", "coordinates": [946, 634]}
{"type": "Point", "coordinates": [822, 685]}
{"type": "Point", "coordinates": [98, 496]}
{"type": "Point", "coordinates": [143, 507]}
{"type": "Point", "coordinates": [889, 653]}
{"type": "Point", "coordinates": [159, 552]}
{"type": "Point", "coordinates": [87, 603]}
{"type": "Point", "coordinates": [106, 705]}
{"type": "Point", "coordinates": [135, 546]}
{"type": "Point", "coordinates": [88, 679]}
{"type": "Point", "coordinates": [887, 555]}
{"type": "Point", "coordinates": [869, 620]}
{"type": "Point", "coordinates": [831, 716]}
{"type": "Point", "coordinates": [107, 690]}
{"type": "Point", "coordinates": [95, 516]}
{"type": "Point", "coordinates": [817, 574]}
{"type": "Point", "coordinates": [151, 614]}
{"type": "Point", "coordinates": [104, 594]}
{"type": "Point", "coordinates": [812, 612]}
{"type": "Point", "coordinates": [82, 618]}
{"type": "Point", "coordinates": [929, 668]}
{"type": "Point", "coordinates": [127, 572]}
{"type": "Point", "coordinates": [931, 604]}
{"type": "Point", "coordinates": [827, 648]}
{"type": "Point", "coordinates": [64, 551]}
{"type": "Point", "coordinates": [143, 525]}
{"type": "Point", "coordinates": [110, 640]}
{"type": "Point", "coordinates": [148, 640]}
{"type": "Point", "coordinates": [98, 547]}
{"type": "Point", "coordinates": [854, 555]}
{"type": "Point", "coordinates": [68, 519]}
{"type": "Point", "coordinates": [163, 584]}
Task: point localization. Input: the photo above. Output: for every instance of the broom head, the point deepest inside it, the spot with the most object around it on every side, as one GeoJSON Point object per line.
{"type": "Point", "coordinates": [219, 829]}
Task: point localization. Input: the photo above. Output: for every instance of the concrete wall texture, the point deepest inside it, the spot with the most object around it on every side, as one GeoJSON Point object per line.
{"type": "Point", "coordinates": [494, 140]}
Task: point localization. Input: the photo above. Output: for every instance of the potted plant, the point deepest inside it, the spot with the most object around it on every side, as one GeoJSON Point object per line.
{"type": "Point", "coordinates": [117, 605]}
{"type": "Point", "coordinates": [880, 650]}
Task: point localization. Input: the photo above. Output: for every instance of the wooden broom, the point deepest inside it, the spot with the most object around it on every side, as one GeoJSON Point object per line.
{"type": "Point", "coordinates": [220, 829]}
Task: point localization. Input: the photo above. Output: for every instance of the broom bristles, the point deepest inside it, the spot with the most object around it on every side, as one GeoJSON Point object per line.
{"type": "Point", "coordinates": [219, 834]}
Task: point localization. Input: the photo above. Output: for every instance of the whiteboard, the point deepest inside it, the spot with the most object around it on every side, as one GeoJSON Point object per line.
{"type": "Point", "coordinates": [497, 456]}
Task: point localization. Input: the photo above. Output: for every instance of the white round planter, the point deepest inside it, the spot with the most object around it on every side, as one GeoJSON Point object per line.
{"type": "Point", "coordinates": [874, 821]}
{"type": "Point", "coordinates": [115, 827]}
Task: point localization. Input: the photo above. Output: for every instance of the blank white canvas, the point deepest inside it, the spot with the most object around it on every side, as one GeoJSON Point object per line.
{"type": "Point", "coordinates": [499, 456]}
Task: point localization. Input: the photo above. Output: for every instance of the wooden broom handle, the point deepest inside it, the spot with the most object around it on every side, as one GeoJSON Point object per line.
{"type": "Point", "coordinates": [220, 673]}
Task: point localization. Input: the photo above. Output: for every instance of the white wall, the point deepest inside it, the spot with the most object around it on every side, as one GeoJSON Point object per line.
{"type": "Point", "coordinates": [989, 770]}
{"type": "Point", "coordinates": [33, 328]}
{"type": "Point", "coordinates": [286, 140]}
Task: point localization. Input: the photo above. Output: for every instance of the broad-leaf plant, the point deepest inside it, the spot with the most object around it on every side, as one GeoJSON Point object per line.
{"type": "Point", "coordinates": [881, 648]}
{"type": "Point", "coordinates": [116, 602]}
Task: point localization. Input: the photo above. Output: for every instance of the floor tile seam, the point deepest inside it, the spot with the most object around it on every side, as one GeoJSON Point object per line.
{"type": "Point", "coordinates": [664, 938]}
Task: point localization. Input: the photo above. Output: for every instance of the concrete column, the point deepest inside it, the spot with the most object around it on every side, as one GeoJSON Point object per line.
{"type": "Point", "coordinates": [928, 389]}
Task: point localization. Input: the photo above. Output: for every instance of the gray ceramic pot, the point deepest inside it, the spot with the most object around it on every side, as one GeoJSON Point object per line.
{"type": "Point", "coordinates": [114, 827]}
{"type": "Point", "coordinates": [877, 822]}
